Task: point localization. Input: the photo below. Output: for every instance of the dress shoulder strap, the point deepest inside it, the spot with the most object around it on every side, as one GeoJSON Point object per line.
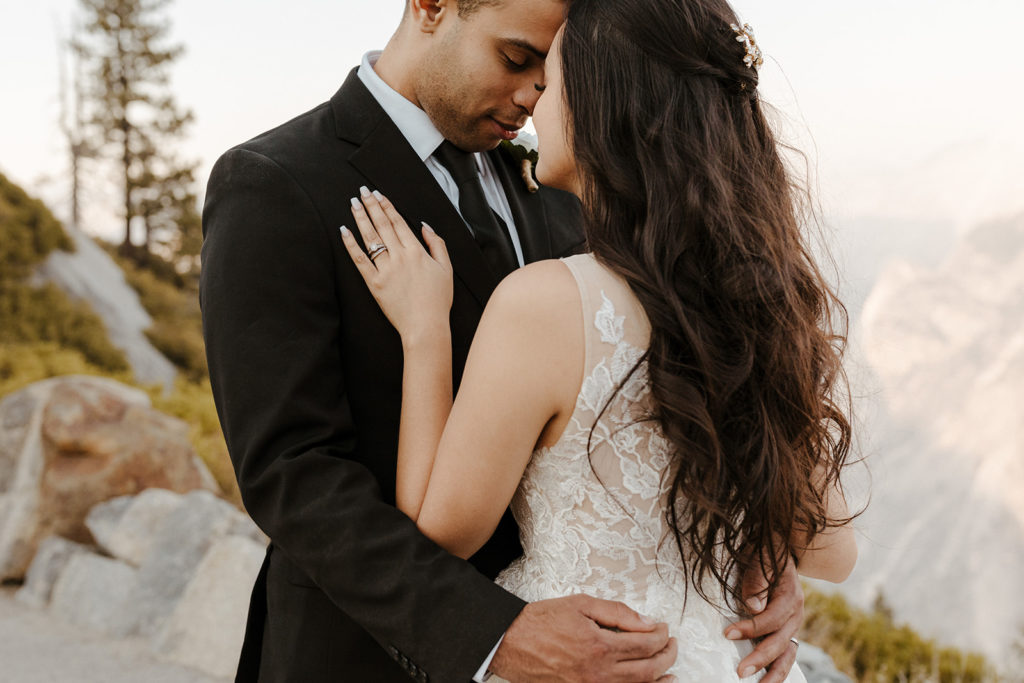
{"type": "Point", "coordinates": [612, 315]}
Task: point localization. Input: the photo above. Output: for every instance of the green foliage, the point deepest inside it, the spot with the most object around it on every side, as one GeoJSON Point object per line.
{"type": "Point", "coordinates": [25, 364]}
{"type": "Point", "coordinates": [133, 121]}
{"type": "Point", "coordinates": [28, 231]}
{"type": "Point", "coordinates": [45, 314]}
{"type": "Point", "coordinates": [172, 299]}
{"type": "Point", "coordinates": [869, 646]}
{"type": "Point", "coordinates": [45, 334]}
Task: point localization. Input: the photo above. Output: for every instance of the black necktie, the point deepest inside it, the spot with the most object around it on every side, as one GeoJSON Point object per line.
{"type": "Point", "coordinates": [487, 227]}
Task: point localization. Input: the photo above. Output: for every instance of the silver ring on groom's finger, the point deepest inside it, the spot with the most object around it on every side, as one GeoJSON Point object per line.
{"type": "Point", "coordinates": [376, 250]}
{"type": "Point", "coordinates": [795, 642]}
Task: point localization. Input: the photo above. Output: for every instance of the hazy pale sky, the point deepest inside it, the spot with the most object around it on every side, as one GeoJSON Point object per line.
{"type": "Point", "coordinates": [911, 108]}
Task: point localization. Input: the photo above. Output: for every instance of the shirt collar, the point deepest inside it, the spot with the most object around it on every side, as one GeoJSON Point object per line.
{"type": "Point", "coordinates": [412, 122]}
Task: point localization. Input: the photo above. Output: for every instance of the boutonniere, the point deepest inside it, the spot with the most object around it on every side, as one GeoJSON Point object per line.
{"type": "Point", "coordinates": [524, 150]}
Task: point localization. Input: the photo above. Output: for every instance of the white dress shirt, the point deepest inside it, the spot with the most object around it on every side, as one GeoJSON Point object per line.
{"type": "Point", "coordinates": [424, 138]}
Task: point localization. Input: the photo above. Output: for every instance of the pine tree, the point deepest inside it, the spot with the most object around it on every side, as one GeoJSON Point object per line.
{"type": "Point", "coordinates": [72, 124]}
{"type": "Point", "coordinates": [134, 119]}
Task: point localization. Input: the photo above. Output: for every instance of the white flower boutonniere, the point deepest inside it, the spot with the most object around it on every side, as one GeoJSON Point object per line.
{"type": "Point", "coordinates": [524, 151]}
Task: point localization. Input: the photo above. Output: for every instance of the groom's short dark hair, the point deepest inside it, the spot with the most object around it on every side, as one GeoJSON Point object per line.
{"type": "Point", "coordinates": [464, 7]}
{"type": "Point", "coordinates": [467, 7]}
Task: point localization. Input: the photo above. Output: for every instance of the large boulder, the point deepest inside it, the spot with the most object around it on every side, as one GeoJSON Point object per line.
{"type": "Point", "coordinates": [177, 572]}
{"type": "Point", "coordinates": [71, 442]}
{"type": "Point", "coordinates": [180, 541]}
{"type": "Point", "coordinates": [92, 591]}
{"type": "Point", "coordinates": [208, 624]}
{"type": "Point", "coordinates": [51, 559]}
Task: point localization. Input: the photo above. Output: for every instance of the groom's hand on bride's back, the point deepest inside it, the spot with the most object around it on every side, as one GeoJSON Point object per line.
{"type": "Point", "coordinates": [583, 639]}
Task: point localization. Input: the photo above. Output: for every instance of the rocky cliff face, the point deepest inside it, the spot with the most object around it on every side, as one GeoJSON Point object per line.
{"type": "Point", "coordinates": [91, 275]}
{"type": "Point", "coordinates": [945, 529]}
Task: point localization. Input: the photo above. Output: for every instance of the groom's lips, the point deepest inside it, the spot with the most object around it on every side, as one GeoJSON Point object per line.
{"type": "Point", "coordinates": [505, 131]}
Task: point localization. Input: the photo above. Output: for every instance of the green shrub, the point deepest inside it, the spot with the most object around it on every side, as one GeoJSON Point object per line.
{"type": "Point", "coordinates": [182, 345]}
{"type": "Point", "coordinates": [28, 231]}
{"type": "Point", "coordinates": [173, 302]}
{"type": "Point", "coordinates": [25, 364]}
{"type": "Point", "coordinates": [869, 646]}
{"type": "Point", "coordinates": [45, 314]}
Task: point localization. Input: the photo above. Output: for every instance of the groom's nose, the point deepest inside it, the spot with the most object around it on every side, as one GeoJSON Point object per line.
{"type": "Point", "coordinates": [526, 97]}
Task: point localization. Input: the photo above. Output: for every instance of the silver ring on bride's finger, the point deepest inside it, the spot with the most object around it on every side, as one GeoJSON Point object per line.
{"type": "Point", "coordinates": [376, 251]}
{"type": "Point", "coordinates": [795, 642]}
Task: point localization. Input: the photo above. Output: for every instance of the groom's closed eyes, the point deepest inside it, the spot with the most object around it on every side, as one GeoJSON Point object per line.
{"type": "Point", "coordinates": [519, 55]}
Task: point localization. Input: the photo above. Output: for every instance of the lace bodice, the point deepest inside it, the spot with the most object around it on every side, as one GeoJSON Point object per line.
{"type": "Point", "coordinates": [596, 524]}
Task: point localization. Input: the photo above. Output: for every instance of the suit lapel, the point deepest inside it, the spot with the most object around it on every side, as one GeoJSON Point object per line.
{"type": "Point", "coordinates": [527, 207]}
{"type": "Point", "coordinates": [390, 165]}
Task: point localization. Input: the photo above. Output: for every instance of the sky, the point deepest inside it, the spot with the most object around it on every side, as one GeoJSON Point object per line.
{"type": "Point", "coordinates": [908, 109]}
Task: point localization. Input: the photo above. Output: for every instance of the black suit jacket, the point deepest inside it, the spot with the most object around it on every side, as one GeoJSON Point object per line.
{"type": "Point", "coordinates": [307, 377]}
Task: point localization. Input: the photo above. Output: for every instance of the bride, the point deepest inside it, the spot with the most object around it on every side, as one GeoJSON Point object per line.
{"type": "Point", "coordinates": [662, 413]}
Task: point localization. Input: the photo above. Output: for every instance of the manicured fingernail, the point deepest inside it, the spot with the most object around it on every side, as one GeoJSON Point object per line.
{"type": "Point", "coordinates": [365, 191]}
{"type": "Point", "coordinates": [756, 604]}
{"type": "Point", "coordinates": [646, 619]}
{"type": "Point", "coordinates": [733, 634]}
{"type": "Point", "coordinates": [748, 672]}
{"type": "Point", "coordinates": [356, 204]}
{"type": "Point", "coordinates": [344, 231]}
{"type": "Point", "coordinates": [428, 228]}
{"type": "Point", "coordinates": [378, 195]}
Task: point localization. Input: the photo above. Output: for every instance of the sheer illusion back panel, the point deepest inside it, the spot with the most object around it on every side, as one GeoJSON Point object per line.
{"type": "Point", "coordinates": [592, 520]}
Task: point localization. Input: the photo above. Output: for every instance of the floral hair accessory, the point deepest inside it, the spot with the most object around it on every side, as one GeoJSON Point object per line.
{"type": "Point", "coordinates": [745, 35]}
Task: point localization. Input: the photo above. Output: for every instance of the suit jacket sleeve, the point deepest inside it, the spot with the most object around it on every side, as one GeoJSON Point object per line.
{"type": "Point", "coordinates": [271, 318]}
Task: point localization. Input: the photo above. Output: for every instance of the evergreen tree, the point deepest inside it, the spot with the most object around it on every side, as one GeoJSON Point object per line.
{"type": "Point", "coordinates": [72, 123]}
{"type": "Point", "coordinates": [134, 119]}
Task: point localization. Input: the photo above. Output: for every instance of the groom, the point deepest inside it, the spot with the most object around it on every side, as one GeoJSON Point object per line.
{"type": "Point", "coordinates": [307, 371]}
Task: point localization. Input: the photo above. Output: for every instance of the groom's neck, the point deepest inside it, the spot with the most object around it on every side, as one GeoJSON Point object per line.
{"type": "Point", "coordinates": [396, 66]}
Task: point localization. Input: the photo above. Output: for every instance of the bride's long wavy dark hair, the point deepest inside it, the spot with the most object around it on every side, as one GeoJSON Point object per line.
{"type": "Point", "coordinates": [687, 197]}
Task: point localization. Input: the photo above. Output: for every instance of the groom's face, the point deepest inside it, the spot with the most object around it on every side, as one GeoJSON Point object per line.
{"type": "Point", "coordinates": [479, 81]}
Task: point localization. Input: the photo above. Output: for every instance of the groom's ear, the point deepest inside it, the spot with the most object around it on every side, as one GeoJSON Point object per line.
{"type": "Point", "coordinates": [428, 15]}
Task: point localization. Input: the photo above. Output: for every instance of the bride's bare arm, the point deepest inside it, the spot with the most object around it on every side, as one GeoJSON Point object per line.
{"type": "Point", "coordinates": [832, 554]}
{"type": "Point", "coordinates": [521, 380]}
{"type": "Point", "coordinates": [426, 403]}
{"type": "Point", "coordinates": [414, 289]}
{"type": "Point", "coordinates": [523, 373]}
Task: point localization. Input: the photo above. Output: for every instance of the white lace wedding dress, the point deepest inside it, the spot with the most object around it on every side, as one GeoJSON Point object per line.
{"type": "Point", "coordinates": [601, 529]}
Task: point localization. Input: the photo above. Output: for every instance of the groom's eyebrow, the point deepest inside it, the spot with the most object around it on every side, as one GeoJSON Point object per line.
{"type": "Point", "coordinates": [524, 45]}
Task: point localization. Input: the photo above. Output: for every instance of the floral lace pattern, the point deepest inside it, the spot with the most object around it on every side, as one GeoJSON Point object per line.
{"type": "Point", "coordinates": [595, 523]}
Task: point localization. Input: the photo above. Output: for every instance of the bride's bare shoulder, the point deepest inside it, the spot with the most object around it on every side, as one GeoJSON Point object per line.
{"type": "Point", "coordinates": [547, 287]}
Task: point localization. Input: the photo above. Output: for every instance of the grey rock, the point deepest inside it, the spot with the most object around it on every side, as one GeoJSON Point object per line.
{"type": "Point", "coordinates": [92, 592]}
{"type": "Point", "coordinates": [91, 275]}
{"type": "Point", "coordinates": [104, 518]}
{"type": "Point", "coordinates": [53, 556]}
{"type": "Point", "coordinates": [817, 666]}
{"type": "Point", "coordinates": [127, 527]}
{"type": "Point", "coordinates": [72, 442]}
{"type": "Point", "coordinates": [182, 540]}
{"type": "Point", "coordinates": [15, 416]}
{"type": "Point", "coordinates": [247, 528]}
{"type": "Point", "coordinates": [208, 624]}
{"type": "Point", "coordinates": [37, 647]}
{"type": "Point", "coordinates": [21, 470]}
